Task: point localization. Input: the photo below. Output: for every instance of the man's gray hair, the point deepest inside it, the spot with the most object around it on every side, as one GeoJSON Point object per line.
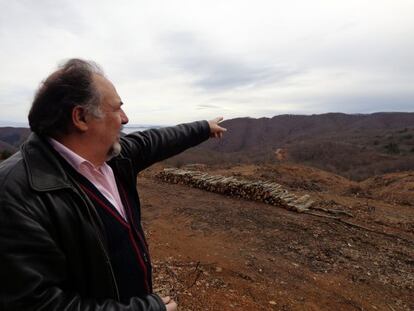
{"type": "Point", "coordinates": [70, 86]}
{"type": "Point", "coordinates": [92, 105]}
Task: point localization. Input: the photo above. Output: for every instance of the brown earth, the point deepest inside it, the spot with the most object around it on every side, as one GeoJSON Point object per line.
{"type": "Point", "coordinates": [212, 252]}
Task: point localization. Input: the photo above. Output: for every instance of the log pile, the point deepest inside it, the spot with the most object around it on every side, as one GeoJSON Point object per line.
{"type": "Point", "coordinates": [264, 191]}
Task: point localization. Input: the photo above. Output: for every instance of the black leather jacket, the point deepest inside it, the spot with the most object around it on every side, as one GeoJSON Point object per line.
{"type": "Point", "coordinates": [53, 255]}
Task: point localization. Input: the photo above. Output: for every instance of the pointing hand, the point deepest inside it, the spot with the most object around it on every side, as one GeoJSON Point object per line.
{"type": "Point", "coordinates": [216, 130]}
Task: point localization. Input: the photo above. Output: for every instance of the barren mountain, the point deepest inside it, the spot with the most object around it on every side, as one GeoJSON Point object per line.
{"type": "Point", "coordinates": [12, 137]}
{"type": "Point", "coordinates": [354, 146]}
{"type": "Point", "coordinates": [247, 133]}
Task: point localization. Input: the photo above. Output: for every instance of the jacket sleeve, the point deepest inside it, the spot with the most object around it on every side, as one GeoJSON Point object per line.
{"type": "Point", "coordinates": [32, 270]}
{"type": "Point", "coordinates": [150, 146]}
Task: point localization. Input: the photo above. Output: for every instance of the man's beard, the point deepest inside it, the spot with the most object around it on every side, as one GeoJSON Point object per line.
{"type": "Point", "coordinates": [114, 151]}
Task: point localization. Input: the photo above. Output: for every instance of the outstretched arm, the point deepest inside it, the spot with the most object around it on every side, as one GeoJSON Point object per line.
{"type": "Point", "coordinates": [145, 148]}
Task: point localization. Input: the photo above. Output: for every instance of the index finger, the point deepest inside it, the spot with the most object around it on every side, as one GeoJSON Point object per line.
{"type": "Point", "coordinates": [218, 119]}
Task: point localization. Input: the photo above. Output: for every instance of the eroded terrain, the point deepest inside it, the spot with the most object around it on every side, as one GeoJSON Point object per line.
{"type": "Point", "coordinates": [212, 252]}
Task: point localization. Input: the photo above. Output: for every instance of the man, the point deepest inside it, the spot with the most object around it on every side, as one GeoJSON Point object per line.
{"type": "Point", "coordinates": [70, 230]}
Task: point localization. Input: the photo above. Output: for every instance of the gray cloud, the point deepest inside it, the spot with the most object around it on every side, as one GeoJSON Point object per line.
{"type": "Point", "coordinates": [213, 71]}
{"type": "Point", "coordinates": [208, 106]}
{"type": "Point", "coordinates": [15, 101]}
{"type": "Point", "coordinates": [15, 95]}
{"type": "Point", "coordinates": [26, 16]}
{"type": "Point", "coordinates": [244, 58]}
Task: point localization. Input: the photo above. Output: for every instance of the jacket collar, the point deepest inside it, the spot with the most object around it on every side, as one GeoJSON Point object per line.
{"type": "Point", "coordinates": [44, 171]}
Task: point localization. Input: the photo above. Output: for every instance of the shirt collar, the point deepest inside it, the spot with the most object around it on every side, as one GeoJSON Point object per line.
{"type": "Point", "coordinates": [70, 156]}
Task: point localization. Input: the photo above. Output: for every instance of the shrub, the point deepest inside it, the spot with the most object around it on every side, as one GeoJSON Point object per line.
{"type": "Point", "coordinates": [392, 148]}
{"type": "Point", "coordinates": [407, 136]}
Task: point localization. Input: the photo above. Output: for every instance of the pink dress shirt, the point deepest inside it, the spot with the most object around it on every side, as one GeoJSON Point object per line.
{"type": "Point", "coordinates": [101, 177]}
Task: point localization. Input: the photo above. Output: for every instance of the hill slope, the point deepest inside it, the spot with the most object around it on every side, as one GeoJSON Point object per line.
{"type": "Point", "coordinates": [354, 146]}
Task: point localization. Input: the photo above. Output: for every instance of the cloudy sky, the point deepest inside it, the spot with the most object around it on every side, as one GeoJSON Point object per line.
{"type": "Point", "coordinates": [177, 61]}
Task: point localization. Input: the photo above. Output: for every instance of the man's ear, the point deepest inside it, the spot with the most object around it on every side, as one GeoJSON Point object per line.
{"type": "Point", "coordinates": [79, 118]}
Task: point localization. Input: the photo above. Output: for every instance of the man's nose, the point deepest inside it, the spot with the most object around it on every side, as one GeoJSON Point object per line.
{"type": "Point", "coordinates": [124, 118]}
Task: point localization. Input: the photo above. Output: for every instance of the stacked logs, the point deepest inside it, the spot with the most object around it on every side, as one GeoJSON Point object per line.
{"type": "Point", "coordinates": [263, 191]}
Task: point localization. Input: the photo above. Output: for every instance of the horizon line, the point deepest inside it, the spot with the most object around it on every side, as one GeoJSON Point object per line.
{"type": "Point", "coordinates": [26, 124]}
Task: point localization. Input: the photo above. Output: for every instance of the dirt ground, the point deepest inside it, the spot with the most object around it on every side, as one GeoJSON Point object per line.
{"type": "Point", "coordinates": [212, 252]}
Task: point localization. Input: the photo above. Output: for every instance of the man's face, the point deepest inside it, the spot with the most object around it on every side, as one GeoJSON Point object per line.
{"type": "Point", "coordinates": [107, 129]}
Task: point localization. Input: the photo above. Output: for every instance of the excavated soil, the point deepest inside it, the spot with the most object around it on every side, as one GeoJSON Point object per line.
{"type": "Point", "coordinates": [212, 252]}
